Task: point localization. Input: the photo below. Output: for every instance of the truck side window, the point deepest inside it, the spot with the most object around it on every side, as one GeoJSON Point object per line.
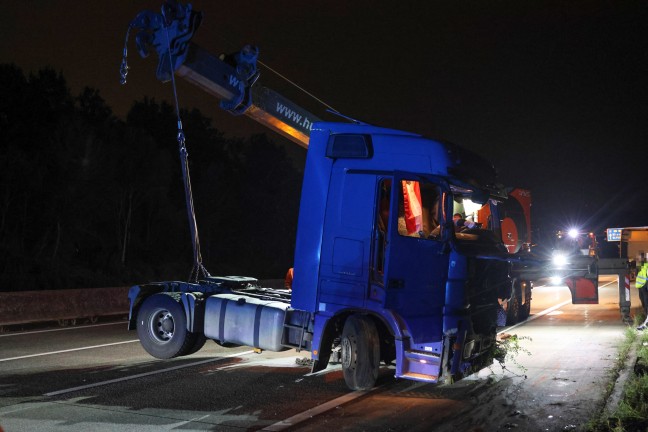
{"type": "Point", "coordinates": [470, 216]}
{"type": "Point", "coordinates": [382, 222]}
{"type": "Point", "coordinates": [418, 209]}
{"type": "Point", "coordinates": [382, 217]}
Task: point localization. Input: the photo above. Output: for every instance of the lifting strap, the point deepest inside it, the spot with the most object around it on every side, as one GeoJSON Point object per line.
{"type": "Point", "coordinates": [198, 269]}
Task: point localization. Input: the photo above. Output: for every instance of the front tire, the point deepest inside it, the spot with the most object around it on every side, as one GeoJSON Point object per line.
{"type": "Point", "coordinates": [162, 327]}
{"type": "Point", "coordinates": [360, 352]}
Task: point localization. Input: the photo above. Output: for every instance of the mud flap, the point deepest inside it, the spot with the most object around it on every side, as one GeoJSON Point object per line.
{"type": "Point", "coordinates": [584, 290]}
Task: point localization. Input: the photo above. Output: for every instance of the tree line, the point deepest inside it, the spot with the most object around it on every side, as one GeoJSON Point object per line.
{"type": "Point", "coordinates": [89, 200]}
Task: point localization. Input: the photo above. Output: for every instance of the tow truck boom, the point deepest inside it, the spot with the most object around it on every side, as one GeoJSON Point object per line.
{"type": "Point", "coordinates": [230, 78]}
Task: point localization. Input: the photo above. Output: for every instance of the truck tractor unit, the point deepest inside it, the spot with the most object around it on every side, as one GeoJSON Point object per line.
{"type": "Point", "coordinates": [381, 273]}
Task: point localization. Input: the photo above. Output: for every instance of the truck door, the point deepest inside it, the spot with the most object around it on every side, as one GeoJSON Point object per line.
{"type": "Point", "coordinates": [410, 260]}
{"type": "Point", "coordinates": [344, 260]}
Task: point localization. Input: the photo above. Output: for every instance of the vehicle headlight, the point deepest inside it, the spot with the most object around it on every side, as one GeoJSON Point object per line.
{"type": "Point", "coordinates": [559, 260]}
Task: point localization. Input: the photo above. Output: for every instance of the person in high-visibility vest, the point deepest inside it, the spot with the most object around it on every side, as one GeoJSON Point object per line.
{"type": "Point", "coordinates": [642, 286]}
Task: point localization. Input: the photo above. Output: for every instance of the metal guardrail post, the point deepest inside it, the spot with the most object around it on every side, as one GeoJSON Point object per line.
{"type": "Point", "coordinates": [619, 267]}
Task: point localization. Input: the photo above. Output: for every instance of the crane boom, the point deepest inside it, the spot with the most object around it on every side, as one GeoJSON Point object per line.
{"type": "Point", "coordinates": [230, 78]}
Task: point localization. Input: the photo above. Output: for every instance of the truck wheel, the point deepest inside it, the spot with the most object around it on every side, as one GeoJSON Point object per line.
{"type": "Point", "coordinates": [514, 307]}
{"type": "Point", "coordinates": [360, 352]}
{"type": "Point", "coordinates": [199, 342]}
{"type": "Point", "coordinates": [525, 310]}
{"type": "Point", "coordinates": [162, 327]}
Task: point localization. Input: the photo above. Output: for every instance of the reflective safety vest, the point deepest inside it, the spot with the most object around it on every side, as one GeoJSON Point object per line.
{"type": "Point", "coordinates": [642, 276]}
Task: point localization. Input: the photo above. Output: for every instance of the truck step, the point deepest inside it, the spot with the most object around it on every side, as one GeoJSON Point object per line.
{"type": "Point", "coordinates": [419, 366]}
{"type": "Point", "coordinates": [420, 377]}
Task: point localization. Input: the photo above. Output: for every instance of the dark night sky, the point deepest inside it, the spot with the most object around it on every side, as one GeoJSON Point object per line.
{"type": "Point", "coordinates": [554, 93]}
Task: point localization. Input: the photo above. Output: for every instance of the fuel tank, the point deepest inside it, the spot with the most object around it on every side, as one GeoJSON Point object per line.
{"type": "Point", "coordinates": [245, 320]}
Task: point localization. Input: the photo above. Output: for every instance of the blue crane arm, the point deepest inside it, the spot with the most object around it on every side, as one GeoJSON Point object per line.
{"type": "Point", "coordinates": [232, 78]}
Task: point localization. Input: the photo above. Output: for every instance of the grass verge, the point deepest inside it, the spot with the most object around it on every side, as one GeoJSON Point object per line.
{"type": "Point", "coordinates": [631, 413]}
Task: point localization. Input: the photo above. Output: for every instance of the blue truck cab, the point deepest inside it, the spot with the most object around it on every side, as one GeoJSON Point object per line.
{"type": "Point", "coordinates": [382, 273]}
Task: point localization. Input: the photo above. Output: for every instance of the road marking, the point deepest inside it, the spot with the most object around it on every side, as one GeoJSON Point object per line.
{"type": "Point", "coordinates": [546, 311]}
{"type": "Point", "coordinates": [67, 350]}
{"type": "Point", "coordinates": [124, 323]}
{"type": "Point", "coordinates": [279, 426]}
{"type": "Point", "coordinates": [536, 316]}
{"type": "Point", "coordinates": [609, 283]}
{"type": "Point", "coordinates": [310, 413]}
{"type": "Point", "coordinates": [132, 377]}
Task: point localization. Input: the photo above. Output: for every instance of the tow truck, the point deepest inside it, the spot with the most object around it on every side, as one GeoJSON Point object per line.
{"type": "Point", "coordinates": [575, 257]}
{"type": "Point", "coordinates": [380, 275]}
{"type": "Point", "coordinates": [573, 250]}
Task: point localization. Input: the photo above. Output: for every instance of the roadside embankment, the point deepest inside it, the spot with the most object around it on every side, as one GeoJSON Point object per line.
{"type": "Point", "coordinates": [25, 307]}
{"type": "Point", "coordinates": [39, 306]}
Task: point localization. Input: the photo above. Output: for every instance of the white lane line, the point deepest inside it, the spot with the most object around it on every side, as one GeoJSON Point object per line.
{"type": "Point", "coordinates": [195, 419]}
{"type": "Point", "coordinates": [545, 312]}
{"type": "Point", "coordinates": [124, 323]}
{"type": "Point", "coordinates": [536, 316]}
{"type": "Point", "coordinates": [310, 413]}
{"type": "Point", "coordinates": [609, 283]}
{"type": "Point", "coordinates": [67, 350]}
{"type": "Point", "coordinates": [132, 377]}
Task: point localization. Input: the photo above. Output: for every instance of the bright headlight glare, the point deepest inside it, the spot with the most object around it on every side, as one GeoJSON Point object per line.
{"type": "Point", "coordinates": [555, 280]}
{"type": "Point", "coordinates": [559, 260]}
{"type": "Point", "coordinates": [573, 233]}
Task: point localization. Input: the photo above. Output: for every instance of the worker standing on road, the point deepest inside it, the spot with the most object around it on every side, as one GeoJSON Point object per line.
{"type": "Point", "coordinates": [641, 285]}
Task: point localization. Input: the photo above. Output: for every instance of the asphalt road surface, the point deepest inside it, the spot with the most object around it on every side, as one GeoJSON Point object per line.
{"type": "Point", "coordinates": [98, 378]}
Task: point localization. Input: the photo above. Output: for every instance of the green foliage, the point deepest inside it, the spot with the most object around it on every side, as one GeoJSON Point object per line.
{"type": "Point", "coordinates": [507, 348]}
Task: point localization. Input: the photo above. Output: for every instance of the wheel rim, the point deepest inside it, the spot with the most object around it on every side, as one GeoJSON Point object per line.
{"type": "Point", "coordinates": [346, 353]}
{"type": "Point", "coordinates": [162, 326]}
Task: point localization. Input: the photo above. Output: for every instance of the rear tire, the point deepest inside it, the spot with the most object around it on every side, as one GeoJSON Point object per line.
{"type": "Point", "coordinates": [360, 352]}
{"type": "Point", "coordinates": [162, 327]}
{"type": "Point", "coordinates": [198, 344]}
{"type": "Point", "coordinates": [514, 310]}
{"type": "Point", "coordinates": [525, 310]}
